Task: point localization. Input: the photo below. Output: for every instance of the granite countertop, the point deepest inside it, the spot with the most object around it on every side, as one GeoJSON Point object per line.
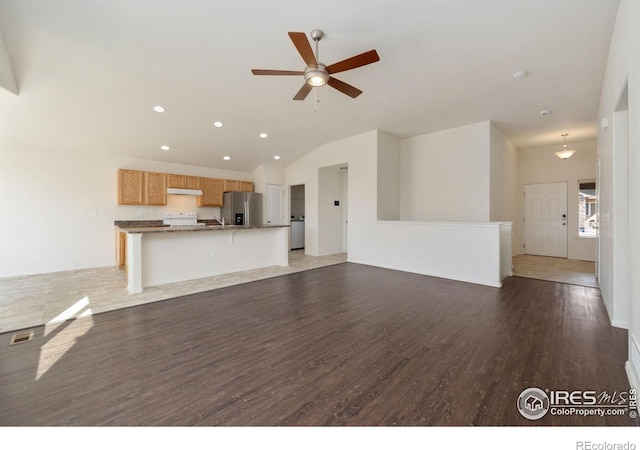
{"type": "Point", "coordinates": [169, 229]}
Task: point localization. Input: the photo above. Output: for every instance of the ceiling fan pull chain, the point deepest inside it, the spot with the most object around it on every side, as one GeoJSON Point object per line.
{"type": "Point", "coordinates": [315, 99]}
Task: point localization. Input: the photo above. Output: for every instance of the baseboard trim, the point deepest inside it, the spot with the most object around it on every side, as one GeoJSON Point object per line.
{"type": "Point", "coordinates": [631, 366]}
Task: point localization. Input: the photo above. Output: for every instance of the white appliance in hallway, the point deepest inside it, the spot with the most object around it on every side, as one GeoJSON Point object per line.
{"type": "Point", "coordinates": [297, 234]}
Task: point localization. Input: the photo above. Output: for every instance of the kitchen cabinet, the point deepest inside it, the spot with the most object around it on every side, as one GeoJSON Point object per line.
{"type": "Point", "coordinates": [212, 192]}
{"type": "Point", "coordinates": [231, 185]}
{"type": "Point", "coordinates": [121, 248]}
{"type": "Point", "coordinates": [183, 181]}
{"type": "Point", "coordinates": [130, 187]}
{"type": "Point", "coordinates": [238, 186]}
{"type": "Point", "coordinates": [136, 187]}
{"type": "Point", "coordinates": [192, 182]}
{"type": "Point", "coordinates": [246, 186]}
{"type": "Point", "coordinates": [155, 188]}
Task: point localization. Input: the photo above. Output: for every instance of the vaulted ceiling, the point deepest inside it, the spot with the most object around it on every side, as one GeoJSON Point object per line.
{"type": "Point", "coordinates": [90, 72]}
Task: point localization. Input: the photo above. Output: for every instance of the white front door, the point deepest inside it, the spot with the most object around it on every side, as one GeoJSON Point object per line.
{"type": "Point", "coordinates": [545, 219]}
{"type": "Point", "coordinates": [275, 204]}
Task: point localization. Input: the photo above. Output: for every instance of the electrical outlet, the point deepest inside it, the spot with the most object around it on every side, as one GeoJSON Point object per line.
{"type": "Point", "coordinates": [94, 213]}
{"type": "Point", "coordinates": [213, 254]}
{"type": "Point", "coordinates": [140, 213]}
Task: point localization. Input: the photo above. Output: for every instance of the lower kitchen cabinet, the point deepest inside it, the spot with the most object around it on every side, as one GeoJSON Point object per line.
{"type": "Point", "coordinates": [121, 248]}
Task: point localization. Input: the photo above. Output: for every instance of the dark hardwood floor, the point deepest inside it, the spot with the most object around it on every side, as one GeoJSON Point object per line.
{"type": "Point", "coordinates": [346, 345]}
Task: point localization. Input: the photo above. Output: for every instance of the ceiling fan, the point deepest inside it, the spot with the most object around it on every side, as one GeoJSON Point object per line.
{"type": "Point", "coordinates": [317, 74]}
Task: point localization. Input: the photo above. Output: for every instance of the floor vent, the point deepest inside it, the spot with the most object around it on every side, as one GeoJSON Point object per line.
{"type": "Point", "coordinates": [19, 338]}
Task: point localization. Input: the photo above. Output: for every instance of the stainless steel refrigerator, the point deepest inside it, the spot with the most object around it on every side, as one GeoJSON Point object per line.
{"type": "Point", "coordinates": [242, 208]}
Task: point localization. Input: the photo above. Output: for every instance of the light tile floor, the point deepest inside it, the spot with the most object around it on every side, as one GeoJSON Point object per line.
{"type": "Point", "coordinates": [35, 300]}
{"type": "Point", "coordinates": [561, 270]}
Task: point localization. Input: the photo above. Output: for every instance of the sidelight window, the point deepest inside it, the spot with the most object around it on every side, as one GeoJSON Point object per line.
{"type": "Point", "coordinates": [587, 209]}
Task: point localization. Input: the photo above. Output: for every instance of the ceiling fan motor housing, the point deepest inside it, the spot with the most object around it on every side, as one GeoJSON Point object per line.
{"type": "Point", "coordinates": [316, 77]}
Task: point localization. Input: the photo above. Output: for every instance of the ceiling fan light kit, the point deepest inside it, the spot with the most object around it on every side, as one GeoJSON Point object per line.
{"type": "Point", "coordinates": [316, 77]}
{"type": "Point", "coordinates": [316, 74]}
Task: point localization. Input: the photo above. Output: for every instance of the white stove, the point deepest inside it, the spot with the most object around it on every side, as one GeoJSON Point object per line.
{"type": "Point", "coordinates": [181, 219]}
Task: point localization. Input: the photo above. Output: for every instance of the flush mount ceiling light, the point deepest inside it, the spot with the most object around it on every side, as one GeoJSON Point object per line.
{"type": "Point", "coordinates": [226, 158]}
{"type": "Point", "coordinates": [276, 157]}
{"type": "Point", "coordinates": [165, 147]}
{"type": "Point", "coordinates": [217, 124]}
{"type": "Point", "coordinates": [564, 153]}
{"type": "Point", "coordinates": [263, 135]}
{"type": "Point", "coordinates": [159, 109]}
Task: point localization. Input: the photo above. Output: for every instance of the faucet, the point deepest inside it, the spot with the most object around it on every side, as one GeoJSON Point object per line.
{"type": "Point", "coordinates": [220, 221]}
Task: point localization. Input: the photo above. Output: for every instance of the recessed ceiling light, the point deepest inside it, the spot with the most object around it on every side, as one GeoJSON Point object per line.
{"type": "Point", "coordinates": [263, 135]}
{"type": "Point", "coordinates": [519, 75]}
{"type": "Point", "coordinates": [159, 108]}
{"type": "Point", "coordinates": [226, 158]}
{"type": "Point", "coordinates": [165, 147]}
{"type": "Point", "coordinates": [276, 157]}
{"type": "Point", "coordinates": [217, 124]}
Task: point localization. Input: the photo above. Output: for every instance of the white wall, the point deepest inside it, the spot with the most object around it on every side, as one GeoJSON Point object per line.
{"type": "Point", "coordinates": [504, 190]}
{"type": "Point", "coordinates": [623, 70]}
{"type": "Point", "coordinates": [540, 165]}
{"type": "Point", "coordinates": [7, 80]}
{"type": "Point", "coordinates": [461, 251]}
{"type": "Point", "coordinates": [389, 176]}
{"type": "Point", "coordinates": [446, 175]}
{"type": "Point", "coordinates": [46, 201]}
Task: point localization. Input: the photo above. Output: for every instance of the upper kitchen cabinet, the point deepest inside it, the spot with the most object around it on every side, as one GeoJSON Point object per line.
{"type": "Point", "coordinates": [155, 188]}
{"type": "Point", "coordinates": [183, 181]}
{"type": "Point", "coordinates": [238, 186]}
{"type": "Point", "coordinates": [212, 192]}
{"type": "Point", "coordinates": [130, 187]}
{"type": "Point", "coordinates": [231, 185]}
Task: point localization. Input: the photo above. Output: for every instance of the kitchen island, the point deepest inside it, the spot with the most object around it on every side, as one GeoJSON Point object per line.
{"type": "Point", "coordinates": [160, 255]}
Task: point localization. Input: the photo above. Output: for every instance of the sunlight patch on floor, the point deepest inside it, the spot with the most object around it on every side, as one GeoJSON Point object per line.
{"type": "Point", "coordinates": [57, 336]}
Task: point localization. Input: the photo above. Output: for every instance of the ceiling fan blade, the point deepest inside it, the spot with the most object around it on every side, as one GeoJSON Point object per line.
{"type": "Point", "coordinates": [276, 72]}
{"type": "Point", "coordinates": [355, 61]}
{"type": "Point", "coordinates": [344, 87]}
{"type": "Point", "coordinates": [304, 48]}
{"type": "Point", "coordinates": [303, 92]}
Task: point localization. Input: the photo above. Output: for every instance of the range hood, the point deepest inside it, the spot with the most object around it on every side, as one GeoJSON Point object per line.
{"type": "Point", "coordinates": [178, 191]}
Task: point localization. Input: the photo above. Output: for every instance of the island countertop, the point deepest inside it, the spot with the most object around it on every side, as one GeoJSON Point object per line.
{"type": "Point", "coordinates": [170, 229]}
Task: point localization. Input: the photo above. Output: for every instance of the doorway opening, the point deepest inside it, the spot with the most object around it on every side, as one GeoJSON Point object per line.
{"type": "Point", "coordinates": [297, 212]}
